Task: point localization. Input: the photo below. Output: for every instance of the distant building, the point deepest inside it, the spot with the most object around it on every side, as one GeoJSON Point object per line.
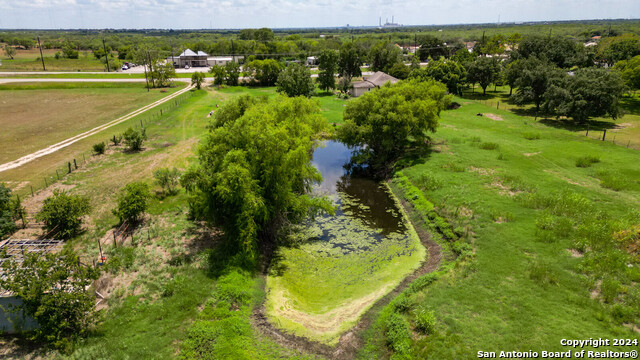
{"type": "Point", "coordinates": [368, 83]}
{"type": "Point", "coordinates": [190, 58]}
{"type": "Point", "coordinates": [219, 60]}
{"type": "Point", "coordinates": [311, 60]}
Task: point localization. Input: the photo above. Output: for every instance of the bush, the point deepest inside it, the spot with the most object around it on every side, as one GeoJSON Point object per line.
{"type": "Point", "coordinates": [429, 182]}
{"type": "Point", "coordinates": [425, 321]}
{"type": "Point", "coordinates": [7, 225]}
{"type": "Point", "coordinates": [134, 139]}
{"type": "Point", "coordinates": [586, 161]}
{"type": "Point", "coordinates": [455, 167]}
{"type": "Point", "coordinates": [132, 202]}
{"type": "Point", "coordinates": [531, 136]}
{"type": "Point", "coordinates": [168, 179]}
{"type": "Point", "coordinates": [99, 148]}
{"type": "Point", "coordinates": [613, 180]}
{"type": "Point", "coordinates": [116, 139]}
{"type": "Point", "coordinates": [398, 333]}
{"type": "Point", "coordinates": [489, 146]}
{"type": "Point", "coordinates": [62, 214]}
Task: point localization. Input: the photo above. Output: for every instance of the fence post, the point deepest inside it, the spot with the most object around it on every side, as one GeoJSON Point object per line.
{"type": "Point", "coordinates": [45, 182]}
{"type": "Point", "coordinates": [115, 243]}
{"type": "Point", "coordinates": [75, 164]}
{"type": "Point", "coordinates": [498, 106]}
{"type": "Point", "coordinates": [604, 133]}
{"type": "Point", "coordinates": [84, 158]}
{"type": "Point", "coordinates": [69, 163]}
{"type": "Point", "coordinates": [32, 188]}
{"type": "Point", "coordinates": [587, 134]}
{"type": "Point", "coordinates": [57, 175]}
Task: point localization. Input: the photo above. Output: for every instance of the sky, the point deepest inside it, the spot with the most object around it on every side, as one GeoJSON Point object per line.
{"type": "Point", "coordinates": [234, 14]}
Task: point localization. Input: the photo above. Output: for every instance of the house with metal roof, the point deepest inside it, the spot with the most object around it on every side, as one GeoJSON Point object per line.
{"type": "Point", "coordinates": [191, 58]}
{"type": "Point", "coordinates": [368, 83]}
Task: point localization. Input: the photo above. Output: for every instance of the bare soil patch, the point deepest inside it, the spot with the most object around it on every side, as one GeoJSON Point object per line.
{"type": "Point", "coordinates": [493, 116]}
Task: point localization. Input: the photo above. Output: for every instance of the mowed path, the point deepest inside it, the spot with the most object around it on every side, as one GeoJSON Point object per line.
{"type": "Point", "coordinates": [62, 144]}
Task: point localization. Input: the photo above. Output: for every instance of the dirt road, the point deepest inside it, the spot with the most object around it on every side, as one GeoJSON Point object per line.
{"type": "Point", "coordinates": [55, 147]}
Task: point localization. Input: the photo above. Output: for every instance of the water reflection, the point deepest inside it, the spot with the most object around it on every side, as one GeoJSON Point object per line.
{"type": "Point", "coordinates": [359, 197]}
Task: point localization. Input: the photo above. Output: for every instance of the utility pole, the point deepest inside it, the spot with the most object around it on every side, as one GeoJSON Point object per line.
{"type": "Point", "coordinates": [106, 56]}
{"type": "Point", "coordinates": [41, 57]}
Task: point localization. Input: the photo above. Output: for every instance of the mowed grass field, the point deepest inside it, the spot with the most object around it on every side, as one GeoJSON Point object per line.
{"type": "Point", "coordinates": [36, 115]}
{"type": "Point", "coordinates": [533, 281]}
{"type": "Point", "coordinates": [29, 60]}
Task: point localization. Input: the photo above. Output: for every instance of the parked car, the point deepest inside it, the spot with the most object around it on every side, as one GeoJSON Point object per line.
{"type": "Point", "coordinates": [125, 67]}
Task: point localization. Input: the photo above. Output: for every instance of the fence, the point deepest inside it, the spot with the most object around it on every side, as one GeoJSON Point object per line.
{"type": "Point", "coordinates": [81, 159]}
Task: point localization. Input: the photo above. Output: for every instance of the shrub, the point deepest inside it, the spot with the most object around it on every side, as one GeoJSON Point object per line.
{"type": "Point", "coordinates": [132, 202]}
{"type": "Point", "coordinates": [425, 320]}
{"type": "Point", "coordinates": [613, 180]}
{"type": "Point", "coordinates": [429, 182]}
{"type": "Point", "coordinates": [402, 303]}
{"type": "Point", "coordinates": [99, 148]}
{"type": "Point", "coordinates": [531, 136]}
{"type": "Point", "coordinates": [134, 139]}
{"type": "Point", "coordinates": [501, 216]}
{"type": "Point", "coordinates": [586, 161]}
{"type": "Point", "coordinates": [7, 225]}
{"type": "Point", "coordinates": [489, 146]}
{"type": "Point", "coordinates": [168, 179]}
{"type": "Point", "coordinates": [398, 333]}
{"type": "Point", "coordinates": [62, 214]}
{"type": "Point", "coordinates": [116, 140]}
{"type": "Point", "coordinates": [609, 289]}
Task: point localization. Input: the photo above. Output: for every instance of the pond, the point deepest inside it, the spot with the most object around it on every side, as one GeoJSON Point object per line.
{"type": "Point", "coordinates": [346, 261]}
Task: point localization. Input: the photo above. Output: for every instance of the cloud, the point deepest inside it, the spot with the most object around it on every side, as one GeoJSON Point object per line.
{"type": "Point", "coordinates": [179, 14]}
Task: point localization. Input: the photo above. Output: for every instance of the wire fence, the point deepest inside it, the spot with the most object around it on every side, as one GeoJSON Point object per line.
{"type": "Point", "coordinates": [81, 159]}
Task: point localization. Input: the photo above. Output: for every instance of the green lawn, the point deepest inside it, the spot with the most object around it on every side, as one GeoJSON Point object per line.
{"type": "Point", "coordinates": [531, 211]}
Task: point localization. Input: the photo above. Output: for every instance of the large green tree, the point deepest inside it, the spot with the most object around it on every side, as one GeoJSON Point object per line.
{"type": "Point", "coordinates": [629, 70]}
{"type": "Point", "coordinates": [484, 71]}
{"type": "Point", "coordinates": [349, 61]}
{"type": "Point", "coordinates": [535, 77]}
{"type": "Point", "coordinates": [432, 47]}
{"type": "Point", "coordinates": [449, 72]}
{"type": "Point", "coordinates": [384, 124]}
{"type": "Point", "coordinates": [295, 80]}
{"type": "Point", "coordinates": [384, 55]}
{"type": "Point", "coordinates": [588, 93]}
{"type": "Point", "coordinates": [328, 66]}
{"type": "Point", "coordinates": [616, 48]}
{"type": "Point", "coordinates": [7, 225]}
{"type": "Point", "coordinates": [254, 173]}
{"type": "Point", "coordinates": [53, 289]}
{"type": "Point", "coordinates": [265, 72]}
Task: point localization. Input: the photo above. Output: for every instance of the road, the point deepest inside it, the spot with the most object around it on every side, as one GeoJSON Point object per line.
{"type": "Point", "coordinates": [55, 147]}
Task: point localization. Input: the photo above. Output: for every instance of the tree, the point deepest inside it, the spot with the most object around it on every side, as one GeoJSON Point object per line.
{"type": "Point", "coordinates": [132, 202]}
{"type": "Point", "coordinates": [265, 71]}
{"type": "Point", "coordinates": [255, 172]}
{"type": "Point", "coordinates": [196, 79]}
{"type": "Point", "coordinates": [7, 225]}
{"type": "Point", "coordinates": [349, 61]}
{"type": "Point", "coordinates": [168, 179]}
{"type": "Point", "coordinates": [218, 73]}
{"type": "Point", "coordinates": [328, 66]}
{"type": "Point", "coordinates": [484, 70]}
{"type": "Point", "coordinates": [432, 47]}
{"type": "Point", "coordinates": [399, 71]}
{"type": "Point", "coordinates": [588, 93]}
{"type": "Point", "coordinates": [560, 51]}
{"type": "Point", "coordinates": [295, 80]}
{"type": "Point", "coordinates": [415, 62]}
{"type": "Point", "coordinates": [511, 73]}
{"type": "Point", "coordinates": [629, 71]}
{"type": "Point", "coordinates": [62, 214]}
{"type": "Point", "coordinates": [52, 288]}
{"type": "Point", "coordinates": [10, 51]}
{"type": "Point", "coordinates": [384, 55]}
{"type": "Point", "coordinates": [384, 124]}
{"type": "Point", "coordinates": [69, 52]}
{"type": "Point", "coordinates": [464, 57]}
{"type": "Point", "coordinates": [616, 48]}
{"type": "Point", "coordinates": [134, 139]}
{"type": "Point", "coordinates": [162, 73]}
{"type": "Point", "coordinates": [448, 72]}
{"type": "Point", "coordinates": [232, 73]}
{"type": "Point", "coordinates": [533, 80]}
{"type": "Point", "coordinates": [99, 148]}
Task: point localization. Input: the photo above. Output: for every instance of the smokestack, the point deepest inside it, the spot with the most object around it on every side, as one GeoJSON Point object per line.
{"type": "Point", "coordinates": [380, 21]}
